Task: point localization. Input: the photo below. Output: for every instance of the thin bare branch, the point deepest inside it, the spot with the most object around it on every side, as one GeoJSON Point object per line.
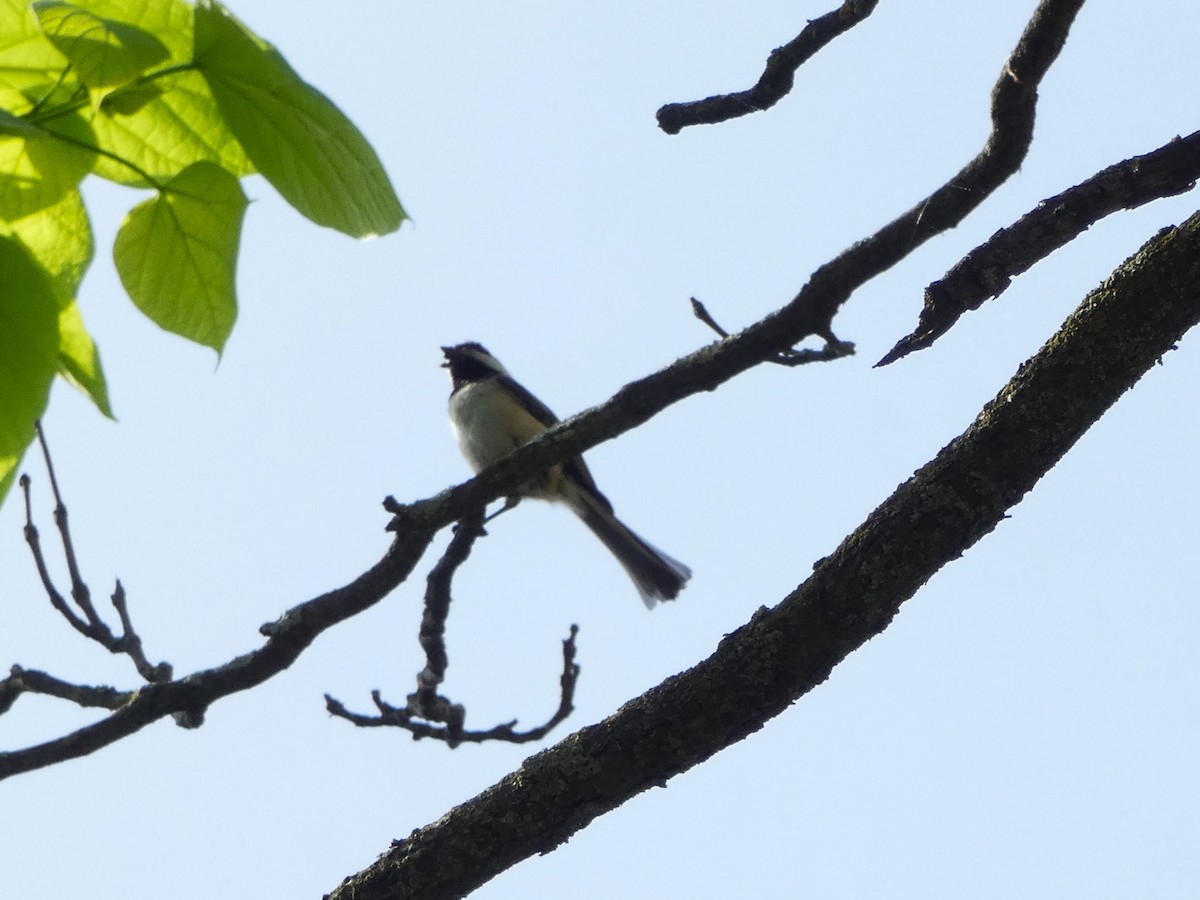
{"type": "Point", "coordinates": [187, 698]}
{"type": "Point", "coordinates": [1119, 332]}
{"type": "Point", "coordinates": [426, 704]}
{"type": "Point", "coordinates": [130, 643]}
{"type": "Point", "coordinates": [452, 730]}
{"type": "Point", "coordinates": [33, 539]}
{"type": "Point", "coordinates": [777, 78]}
{"type": "Point", "coordinates": [790, 357]}
{"type": "Point", "coordinates": [428, 714]}
{"type": "Point", "coordinates": [432, 635]}
{"type": "Point", "coordinates": [90, 625]}
{"type": "Point", "coordinates": [987, 271]}
{"type": "Point", "coordinates": [31, 681]}
{"type": "Point", "coordinates": [79, 590]}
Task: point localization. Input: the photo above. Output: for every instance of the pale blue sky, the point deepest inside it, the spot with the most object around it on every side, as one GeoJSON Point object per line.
{"type": "Point", "coordinates": [1028, 725]}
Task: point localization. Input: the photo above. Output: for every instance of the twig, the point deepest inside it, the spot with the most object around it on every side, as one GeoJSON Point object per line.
{"type": "Point", "coordinates": [437, 601]}
{"type": "Point", "coordinates": [130, 642]}
{"type": "Point", "coordinates": [31, 681]}
{"type": "Point", "coordinates": [777, 78]}
{"type": "Point", "coordinates": [33, 539]}
{"type": "Point", "coordinates": [833, 349]}
{"type": "Point", "coordinates": [453, 732]}
{"type": "Point", "coordinates": [986, 272]}
{"type": "Point", "coordinates": [90, 625]}
{"type": "Point", "coordinates": [428, 713]}
{"type": "Point", "coordinates": [426, 702]}
{"type": "Point", "coordinates": [288, 637]}
{"type": "Point", "coordinates": [508, 504]}
{"type": "Point", "coordinates": [79, 591]}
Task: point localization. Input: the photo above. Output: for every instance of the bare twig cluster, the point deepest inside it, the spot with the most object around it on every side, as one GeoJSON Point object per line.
{"type": "Point", "coordinates": [82, 616]}
{"type": "Point", "coordinates": [90, 625]}
{"type": "Point", "coordinates": [187, 698]}
{"type": "Point", "coordinates": [445, 721]}
{"type": "Point", "coordinates": [429, 714]}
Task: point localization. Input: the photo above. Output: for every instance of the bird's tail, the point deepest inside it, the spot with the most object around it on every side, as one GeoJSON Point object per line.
{"type": "Point", "coordinates": [655, 575]}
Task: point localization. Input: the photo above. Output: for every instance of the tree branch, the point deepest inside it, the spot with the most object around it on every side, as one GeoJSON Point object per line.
{"type": "Point", "coordinates": [187, 698]}
{"type": "Point", "coordinates": [777, 78]}
{"type": "Point", "coordinates": [789, 358]}
{"type": "Point", "coordinates": [432, 635]}
{"type": "Point", "coordinates": [1116, 335]}
{"type": "Point", "coordinates": [422, 725]}
{"type": "Point", "coordinates": [90, 625]}
{"type": "Point", "coordinates": [429, 714]}
{"type": "Point", "coordinates": [987, 271]}
{"type": "Point", "coordinates": [31, 681]}
{"type": "Point", "coordinates": [1014, 101]}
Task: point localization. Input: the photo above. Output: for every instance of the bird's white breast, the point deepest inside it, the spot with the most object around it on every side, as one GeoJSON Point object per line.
{"type": "Point", "coordinates": [488, 423]}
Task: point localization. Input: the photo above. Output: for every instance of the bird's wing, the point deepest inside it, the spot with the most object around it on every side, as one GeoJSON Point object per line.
{"type": "Point", "coordinates": [575, 468]}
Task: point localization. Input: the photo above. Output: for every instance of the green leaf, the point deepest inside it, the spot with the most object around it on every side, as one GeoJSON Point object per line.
{"type": "Point", "coordinates": [38, 171]}
{"type": "Point", "coordinates": [27, 58]}
{"type": "Point", "coordinates": [296, 137]}
{"type": "Point", "coordinates": [59, 238]}
{"type": "Point", "coordinates": [28, 353]}
{"type": "Point", "coordinates": [16, 126]}
{"type": "Point", "coordinates": [177, 254]}
{"type": "Point", "coordinates": [79, 360]}
{"type": "Point", "coordinates": [170, 21]}
{"type": "Point", "coordinates": [104, 52]}
{"type": "Point", "coordinates": [161, 135]}
{"type": "Point", "coordinates": [130, 99]}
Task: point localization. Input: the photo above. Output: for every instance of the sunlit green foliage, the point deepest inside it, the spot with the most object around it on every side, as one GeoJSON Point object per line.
{"type": "Point", "coordinates": [178, 98]}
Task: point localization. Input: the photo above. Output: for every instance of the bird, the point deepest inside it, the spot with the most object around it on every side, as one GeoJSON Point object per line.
{"type": "Point", "coordinates": [492, 415]}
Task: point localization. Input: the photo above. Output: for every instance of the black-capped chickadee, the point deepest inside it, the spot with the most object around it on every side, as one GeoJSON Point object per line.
{"type": "Point", "coordinates": [493, 415]}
